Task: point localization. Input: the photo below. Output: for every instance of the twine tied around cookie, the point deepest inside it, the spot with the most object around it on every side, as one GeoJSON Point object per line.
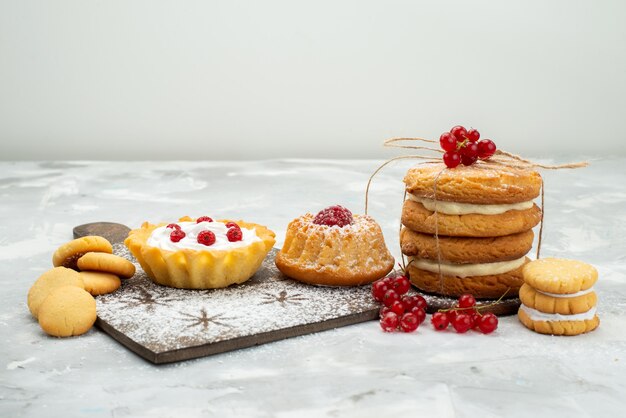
{"type": "Point", "coordinates": [499, 159]}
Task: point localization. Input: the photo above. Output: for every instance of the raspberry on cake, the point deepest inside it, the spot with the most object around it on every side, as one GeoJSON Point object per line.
{"type": "Point", "coordinates": [468, 229]}
{"type": "Point", "coordinates": [201, 253]}
{"type": "Point", "coordinates": [334, 248]}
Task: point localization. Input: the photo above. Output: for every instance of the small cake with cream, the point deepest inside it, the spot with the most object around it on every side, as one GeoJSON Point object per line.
{"type": "Point", "coordinates": [558, 297]}
{"type": "Point", "coordinates": [200, 253]}
{"type": "Point", "coordinates": [468, 229]}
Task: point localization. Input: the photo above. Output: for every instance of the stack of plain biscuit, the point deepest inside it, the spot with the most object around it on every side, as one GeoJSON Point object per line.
{"type": "Point", "coordinates": [62, 298]}
{"type": "Point", "coordinates": [468, 229]}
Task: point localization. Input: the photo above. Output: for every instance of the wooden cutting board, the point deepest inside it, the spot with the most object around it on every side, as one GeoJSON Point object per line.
{"type": "Point", "coordinates": [164, 324]}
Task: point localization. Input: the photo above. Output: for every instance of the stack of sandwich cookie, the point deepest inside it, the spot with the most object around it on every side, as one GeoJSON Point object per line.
{"type": "Point", "coordinates": [558, 297]}
{"type": "Point", "coordinates": [468, 229]}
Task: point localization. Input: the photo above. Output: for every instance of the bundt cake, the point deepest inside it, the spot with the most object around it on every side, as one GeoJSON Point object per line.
{"type": "Point", "coordinates": [334, 248]}
{"type": "Point", "coordinates": [201, 253]}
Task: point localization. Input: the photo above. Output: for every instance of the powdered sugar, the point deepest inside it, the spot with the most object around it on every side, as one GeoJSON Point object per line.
{"type": "Point", "coordinates": [164, 319]}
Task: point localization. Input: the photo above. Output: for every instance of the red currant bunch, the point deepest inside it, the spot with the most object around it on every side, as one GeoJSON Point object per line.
{"type": "Point", "coordinates": [400, 311]}
{"type": "Point", "coordinates": [465, 316]}
{"type": "Point", "coordinates": [463, 146]}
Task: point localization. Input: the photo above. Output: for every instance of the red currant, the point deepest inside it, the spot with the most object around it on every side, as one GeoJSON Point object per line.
{"type": "Point", "coordinates": [466, 301]}
{"type": "Point", "coordinates": [390, 297]}
{"type": "Point", "coordinates": [397, 307]}
{"type": "Point", "coordinates": [409, 302]}
{"type": "Point", "coordinates": [475, 317]}
{"type": "Point", "coordinates": [389, 322]}
{"type": "Point", "coordinates": [440, 321]}
{"type": "Point", "coordinates": [204, 219]}
{"type": "Point", "coordinates": [486, 148]}
{"type": "Point", "coordinates": [409, 322]}
{"type": "Point", "coordinates": [419, 313]}
{"type": "Point", "coordinates": [401, 285]}
{"type": "Point", "coordinates": [234, 234]}
{"type": "Point", "coordinates": [383, 310]}
{"type": "Point", "coordinates": [388, 281]}
{"type": "Point", "coordinates": [488, 323]}
{"type": "Point", "coordinates": [452, 315]}
{"type": "Point", "coordinates": [206, 238]}
{"type": "Point", "coordinates": [421, 302]}
{"type": "Point", "coordinates": [447, 141]}
{"type": "Point", "coordinates": [378, 290]}
{"type": "Point", "coordinates": [451, 159]}
{"type": "Point", "coordinates": [459, 133]}
{"type": "Point", "coordinates": [462, 323]}
{"type": "Point", "coordinates": [173, 226]}
{"type": "Point", "coordinates": [468, 160]}
{"type": "Point", "coordinates": [176, 235]}
{"type": "Point", "coordinates": [473, 135]}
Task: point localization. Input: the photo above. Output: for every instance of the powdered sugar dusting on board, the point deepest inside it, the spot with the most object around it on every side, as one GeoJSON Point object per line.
{"type": "Point", "coordinates": [164, 319]}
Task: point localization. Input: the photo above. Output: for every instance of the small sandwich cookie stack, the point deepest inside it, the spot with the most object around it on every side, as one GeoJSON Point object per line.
{"type": "Point", "coordinates": [558, 297]}
{"type": "Point", "coordinates": [468, 229]}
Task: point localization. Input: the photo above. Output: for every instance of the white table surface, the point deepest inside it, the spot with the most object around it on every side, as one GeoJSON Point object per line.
{"type": "Point", "coordinates": [353, 371]}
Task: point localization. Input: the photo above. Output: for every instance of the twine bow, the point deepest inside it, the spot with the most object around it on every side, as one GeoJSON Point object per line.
{"type": "Point", "coordinates": [499, 159]}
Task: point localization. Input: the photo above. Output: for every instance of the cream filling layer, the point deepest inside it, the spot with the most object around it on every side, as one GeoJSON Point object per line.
{"type": "Point", "coordinates": [467, 270]}
{"type": "Point", "coordinates": [160, 237]}
{"type": "Point", "coordinates": [535, 315]}
{"type": "Point", "coordinates": [566, 295]}
{"type": "Point", "coordinates": [456, 208]}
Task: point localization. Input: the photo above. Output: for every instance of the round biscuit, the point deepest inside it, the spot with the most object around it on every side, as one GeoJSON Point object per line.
{"type": "Point", "coordinates": [68, 254]}
{"type": "Point", "coordinates": [107, 263]}
{"type": "Point", "coordinates": [479, 183]}
{"type": "Point", "coordinates": [559, 327]}
{"type": "Point", "coordinates": [98, 283]}
{"type": "Point", "coordinates": [49, 281]}
{"type": "Point", "coordinates": [67, 311]}
{"type": "Point", "coordinates": [463, 250]}
{"type": "Point", "coordinates": [559, 275]}
{"type": "Point", "coordinates": [481, 287]}
{"type": "Point", "coordinates": [553, 305]}
{"type": "Point", "coordinates": [416, 217]}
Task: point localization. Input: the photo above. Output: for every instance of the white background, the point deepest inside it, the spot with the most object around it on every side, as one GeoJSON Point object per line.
{"type": "Point", "coordinates": [160, 79]}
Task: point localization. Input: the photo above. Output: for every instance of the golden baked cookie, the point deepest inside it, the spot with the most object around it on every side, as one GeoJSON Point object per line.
{"type": "Point", "coordinates": [490, 286]}
{"type": "Point", "coordinates": [416, 217]}
{"type": "Point", "coordinates": [481, 184]}
{"type": "Point", "coordinates": [559, 327]}
{"type": "Point", "coordinates": [466, 250]}
{"type": "Point", "coordinates": [106, 263]}
{"type": "Point", "coordinates": [557, 304]}
{"type": "Point", "coordinates": [99, 283]}
{"type": "Point", "coordinates": [190, 264]}
{"type": "Point", "coordinates": [349, 254]}
{"type": "Point", "coordinates": [49, 281]}
{"type": "Point", "coordinates": [68, 254]}
{"type": "Point", "coordinates": [67, 311]}
{"type": "Point", "coordinates": [560, 276]}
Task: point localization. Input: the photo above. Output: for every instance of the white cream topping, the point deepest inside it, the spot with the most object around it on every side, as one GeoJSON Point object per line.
{"type": "Point", "coordinates": [535, 315]}
{"type": "Point", "coordinates": [567, 295]}
{"type": "Point", "coordinates": [160, 237]}
{"type": "Point", "coordinates": [456, 208]}
{"type": "Point", "coordinates": [467, 270]}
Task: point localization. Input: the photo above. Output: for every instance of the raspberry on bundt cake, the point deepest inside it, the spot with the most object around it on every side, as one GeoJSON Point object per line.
{"type": "Point", "coordinates": [334, 248]}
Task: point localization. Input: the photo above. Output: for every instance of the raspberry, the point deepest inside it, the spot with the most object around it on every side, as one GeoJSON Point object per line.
{"type": "Point", "coordinates": [234, 234]}
{"type": "Point", "coordinates": [173, 226]}
{"type": "Point", "coordinates": [334, 215]}
{"type": "Point", "coordinates": [232, 225]}
{"type": "Point", "coordinates": [204, 219]}
{"type": "Point", "coordinates": [176, 235]}
{"type": "Point", "coordinates": [206, 237]}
